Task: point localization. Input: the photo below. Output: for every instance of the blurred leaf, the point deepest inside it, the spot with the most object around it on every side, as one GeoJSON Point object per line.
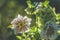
{"type": "Point", "coordinates": [36, 11]}
{"type": "Point", "coordinates": [30, 5]}
{"type": "Point", "coordinates": [27, 39]}
{"type": "Point", "coordinates": [24, 35]}
{"type": "Point", "coordinates": [33, 29]}
{"type": "Point", "coordinates": [57, 16]}
{"type": "Point", "coordinates": [29, 10]}
{"type": "Point", "coordinates": [19, 37]}
{"type": "Point", "coordinates": [58, 31]}
{"type": "Point", "coordinates": [38, 21]}
{"type": "Point", "coordinates": [10, 26]}
{"type": "Point", "coordinates": [45, 4]}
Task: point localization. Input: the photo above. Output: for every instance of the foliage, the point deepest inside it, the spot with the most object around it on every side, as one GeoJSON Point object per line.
{"type": "Point", "coordinates": [40, 13]}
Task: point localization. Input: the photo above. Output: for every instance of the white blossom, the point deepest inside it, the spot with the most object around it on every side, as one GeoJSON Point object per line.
{"type": "Point", "coordinates": [21, 24]}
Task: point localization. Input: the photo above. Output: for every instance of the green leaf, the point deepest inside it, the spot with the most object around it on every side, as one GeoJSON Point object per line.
{"type": "Point", "coordinates": [57, 16]}
{"type": "Point", "coordinates": [58, 31]}
{"type": "Point", "coordinates": [30, 5]}
{"type": "Point", "coordinates": [19, 37]}
{"type": "Point", "coordinates": [24, 35]}
{"type": "Point", "coordinates": [45, 3]}
{"type": "Point", "coordinates": [10, 26]}
{"type": "Point", "coordinates": [33, 29]}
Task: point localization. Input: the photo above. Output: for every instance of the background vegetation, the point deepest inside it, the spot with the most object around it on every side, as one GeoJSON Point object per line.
{"type": "Point", "coordinates": [8, 11]}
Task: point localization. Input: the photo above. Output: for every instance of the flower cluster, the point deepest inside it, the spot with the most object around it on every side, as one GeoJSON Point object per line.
{"type": "Point", "coordinates": [21, 24]}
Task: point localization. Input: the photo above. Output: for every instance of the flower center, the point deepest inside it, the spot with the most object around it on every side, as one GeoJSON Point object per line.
{"type": "Point", "coordinates": [21, 24]}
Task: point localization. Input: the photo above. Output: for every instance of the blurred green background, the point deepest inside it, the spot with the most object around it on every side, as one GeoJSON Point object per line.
{"type": "Point", "coordinates": [10, 8]}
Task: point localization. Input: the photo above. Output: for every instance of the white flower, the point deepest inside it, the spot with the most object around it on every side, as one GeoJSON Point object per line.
{"type": "Point", "coordinates": [50, 31]}
{"type": "Point", "coordinates": [21, 24]}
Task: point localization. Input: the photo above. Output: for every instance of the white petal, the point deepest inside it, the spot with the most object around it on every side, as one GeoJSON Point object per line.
{"type": "Point", "coordinates": [14, 21]}
{"type": "Point", "coordinates": [19, 17]}
{"type": "Point", "coordinates": [29, 20]}
{"type": "Point", "coordinates": [29, 24]}
{"type": "Point", "coordinates": [25, 18]}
